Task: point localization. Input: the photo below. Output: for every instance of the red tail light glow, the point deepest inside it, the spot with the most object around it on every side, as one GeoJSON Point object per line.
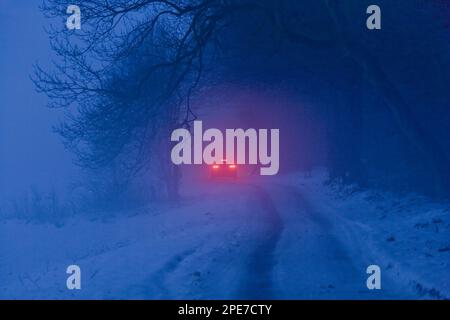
{"type": "Point", "coordinates": [215, 166]}
{"type": "Point", "coordinates": [232, 166]}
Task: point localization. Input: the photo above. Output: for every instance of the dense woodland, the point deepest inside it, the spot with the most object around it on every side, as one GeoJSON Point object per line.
{"type": "Point", "coordinates": [131, 74]}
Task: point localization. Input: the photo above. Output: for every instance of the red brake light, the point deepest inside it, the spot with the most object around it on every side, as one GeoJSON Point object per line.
{"type": "Point", "coordinates": [215, 166]}
{"type": "Point", "coordinates": [232, 166]}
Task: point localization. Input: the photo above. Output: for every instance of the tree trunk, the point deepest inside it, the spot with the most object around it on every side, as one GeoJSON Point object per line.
{"type": "Point", "coordinates": [346, 135]}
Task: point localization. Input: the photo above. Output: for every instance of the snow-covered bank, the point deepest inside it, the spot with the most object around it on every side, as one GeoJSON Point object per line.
{"type": "Point", "coordinates": [407, 236]}
{"type": "Point", "coordinates": [163, 251]}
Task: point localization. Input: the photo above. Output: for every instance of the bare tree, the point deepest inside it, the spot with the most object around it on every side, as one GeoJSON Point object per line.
{"type": "Point", "coordinates": [131, 69]}
{"type": "Point", "coordinates": [129, 72]}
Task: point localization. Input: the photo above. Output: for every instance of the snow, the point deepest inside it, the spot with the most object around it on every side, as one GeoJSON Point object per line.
{"type": "Point", "coordinates": [286, 237]}
{"type": "Point", "coordinates": [407, 236]}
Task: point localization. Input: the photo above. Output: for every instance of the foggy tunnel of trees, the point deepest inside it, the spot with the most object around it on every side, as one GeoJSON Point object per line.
{"type": "Point", "coordinates": [129, 74]}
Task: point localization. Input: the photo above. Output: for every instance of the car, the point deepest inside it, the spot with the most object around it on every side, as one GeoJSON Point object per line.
{"type": "Point", "coordinates": [223, 170]}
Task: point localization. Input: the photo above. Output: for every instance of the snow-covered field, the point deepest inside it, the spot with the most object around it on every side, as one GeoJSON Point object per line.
{"type": "Point", "coordinates": [290, 237]}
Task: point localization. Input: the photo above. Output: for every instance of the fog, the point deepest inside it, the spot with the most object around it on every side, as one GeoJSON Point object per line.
{"type": "Point", "coordinates": [30, 153]}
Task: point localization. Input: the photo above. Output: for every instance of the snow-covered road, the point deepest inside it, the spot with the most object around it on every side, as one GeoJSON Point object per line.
{"type": "Point", "coordinates": [245, 240]}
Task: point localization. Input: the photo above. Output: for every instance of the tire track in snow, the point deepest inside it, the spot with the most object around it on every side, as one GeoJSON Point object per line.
{"type": "Point", "coordinates": [332, 254]}
{"type": "Point", "coordinates": [155, 286]}
{"type": "Point", "coordinates": [257, 279]}
{"type": "Point", "coordinates": [169, 267]}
